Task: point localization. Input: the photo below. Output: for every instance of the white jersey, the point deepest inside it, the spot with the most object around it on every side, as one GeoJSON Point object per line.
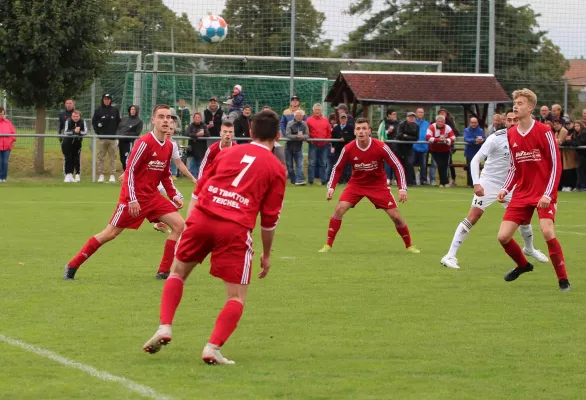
{"type": "Point", "coordinates": [175, 155]}
{"type": "Point", "coordinates": [495, 151]}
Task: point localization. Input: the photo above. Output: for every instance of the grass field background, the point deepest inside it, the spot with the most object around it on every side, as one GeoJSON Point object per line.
{"type": "Point", "coordinates": [367, 321]}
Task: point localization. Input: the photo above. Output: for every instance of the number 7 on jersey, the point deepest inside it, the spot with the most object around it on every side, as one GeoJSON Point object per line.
{"type": "Point", "coordinates": [246, 160]}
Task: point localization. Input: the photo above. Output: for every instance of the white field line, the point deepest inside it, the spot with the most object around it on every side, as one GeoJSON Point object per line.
{"type": "Point", "coordinates": [142, 390]}
{"type": "Point", "coordinates": [572, 233]}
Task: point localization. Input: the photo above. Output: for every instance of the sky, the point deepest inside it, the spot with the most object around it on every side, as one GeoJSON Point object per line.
{"type": "Point", "coordinates": [565, 20]}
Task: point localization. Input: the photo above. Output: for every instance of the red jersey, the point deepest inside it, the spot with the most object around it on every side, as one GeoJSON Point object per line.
{"type": "Point", "coordinates": [368, 167]}
{"type": "Point", "coordinates": [536, 165]}
{"type": "Point", "coordinates": [433, 135]}
{"type": "Point", "coordinates": [148, 164]}
{"type": "Point", "coordinates": [241, 183]}
{"type": "Point", "coordinates": [211, 155]}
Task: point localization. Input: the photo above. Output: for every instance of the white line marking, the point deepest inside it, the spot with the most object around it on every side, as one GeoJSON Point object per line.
{"type": "Point", "coordinates": [142, 390]}
{"type": "Point", "coordinates": [573, 233]}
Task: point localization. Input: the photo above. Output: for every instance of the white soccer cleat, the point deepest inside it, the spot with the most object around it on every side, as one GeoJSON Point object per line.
{"type": "Point", "coordinates": [538, 255]}
{"type": "Point", "coordinates": [450, 262]}
{"type": "Point", "coordinates": [101, 179]}
{"type": "Point", "coordinates": [77, 178]}
{"type": "Point", "coordinates": [68, 178]}
{"type": "Point", "coordinates": [162, 337]}
{"type": "Point", "coordinates": [211, 355]}
{"type": "Point", "coordinates": [112, 179]}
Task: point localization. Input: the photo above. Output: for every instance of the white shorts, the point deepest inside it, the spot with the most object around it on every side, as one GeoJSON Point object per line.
{"type": "Point", "coordinates": [490, 196]}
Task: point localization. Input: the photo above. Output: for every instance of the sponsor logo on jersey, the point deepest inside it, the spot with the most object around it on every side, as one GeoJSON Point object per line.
{"type": "Point", "coordinates": [366, 166]}
{"type": "Point", "coordinates": [157, 165]}
{"type": "Point", "coordinates": [525, 156]}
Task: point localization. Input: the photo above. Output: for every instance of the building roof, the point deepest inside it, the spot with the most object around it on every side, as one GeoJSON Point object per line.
{"type": "Point", "coordinates": [576, 75]}
{"type": "Point", "coordinates": [378, 87]}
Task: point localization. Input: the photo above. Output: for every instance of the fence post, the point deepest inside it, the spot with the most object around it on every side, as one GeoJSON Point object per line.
{"type": "Point", "coordinates": [566, 95]}
{"type": "Point", "coordinates": [193, 89]}
{"type": "Point", "coordinates": [155, 81]}
{"type": "Point", "coordinates": [137, 89]}
{"type": "Point", "coordinates": [292, 44]}
{"type": "Point", "coordinates": [94, 155]}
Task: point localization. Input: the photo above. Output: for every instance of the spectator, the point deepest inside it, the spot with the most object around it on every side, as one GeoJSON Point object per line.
{"type": "Point", "coordinates": [580, 141]}
{"type": "Point", "coordinates": [564, 137]}
{"type": "Point", "coordinates": [319, 128]}
{"type": "Point", "coordinates": [236, 103]}
{"type": "Point", "coordinates": [544, 114]}
{"type": "Point", "coordinates": [388, 131]}
{"type": "Point", "coordinates": [296, 131]}
{"type": "Point", "coordinates": [420, 151]}
{"type": "Point", "coordinates": [105, 122]}
{"type": "Point", "coordinates": [6, 144]}
{"type": "Point", "coordinates": [584, 118]}
{"type": "Point", "coordinates": [183, 117]}
{"type": "Point", "coordinates": [451, 122]}
{"type": "Point", "coordinates": [474, 137]}
{"type": "Point", "coordinates": [497, 123]}
{"type": "Point", "coordinates": [441, 137]}
{"type": "Point", "coordinates": [213, 115]}
{"type": "Point", "coordinates": [333, 118]}
{"type": "Point", "coordinates": [344, 132]}
{"type": "Point", "coordinates": [64, 116]}
{"type": "Point", "coordinates": [198, 145]}
{"type": "Point", "coordinates": [556, 112]}
{"type": "Point", "coordinates": [408, 131]}
{"type": "Point", "coordinates": [131, 127]}
{"type": "Point", "coordinates": [75, 129]}
{"type": "Point", "coordinates": [343, 109]}
{"type": "Point", "coordinates": [242, 124]}
{"type": "Point", "coordinates": [289, 113]}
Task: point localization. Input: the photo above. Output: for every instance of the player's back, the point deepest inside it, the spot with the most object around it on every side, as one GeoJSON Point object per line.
{"type": "Point", "coordinates": [148, 165]}
{"type": "Point", "coordinates": [537, 162]}
{"type": "Point", "coordinates": [367, 164]}
{"type": "Point", "coordinates": [240, 183]}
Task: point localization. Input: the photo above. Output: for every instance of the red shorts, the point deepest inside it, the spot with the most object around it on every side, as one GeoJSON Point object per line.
{"type": "Point", "coordinates": [229, 243]}
{"type": "Point", "coordinates": [151, 210]}
{"type": "Point", "coordinates": [379, 196]}
{"type": "Point", "coordinates": [521, 215]}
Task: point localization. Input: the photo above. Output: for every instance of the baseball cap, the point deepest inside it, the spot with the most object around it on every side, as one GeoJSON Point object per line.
{"type": "Point", "coordinates": [213, 98]}
{"type": "Point", "coordinates": [173, 113]}
{"type": "Point", "coordinates": [343, 115]}
{"type": "Point", "coordinates": [411, 114]}
{"type": "Point", "coordinates": [107, 95]}
{"type": "Point", "coordinates": [342, 107]}
{"type": "Point", "coordinates": [294, 98]}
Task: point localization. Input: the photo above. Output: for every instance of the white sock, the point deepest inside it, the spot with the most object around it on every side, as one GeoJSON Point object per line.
{"type": "Point", "coordinates": [526, 232]}
{"type": "Point", "coordinates": [459, 237]}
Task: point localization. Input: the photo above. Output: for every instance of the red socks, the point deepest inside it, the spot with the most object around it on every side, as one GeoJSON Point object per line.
{"type": "Point", "coordinates": [515, 252]}
{"type": "Point", "coordinates": [168, 255]}
{"type": "Point", "coordinates": [86, 252]}
{"type": "Point", "coordinates": [333, 229]}
{"type": "Point", "coordinates": [403, 231]}
{"type": "Point", "coordinates": [557, 258]}
{"type": "Point", "coordinates": [172, 293]}
{"type": "Point", "coordinates": [226, 322]}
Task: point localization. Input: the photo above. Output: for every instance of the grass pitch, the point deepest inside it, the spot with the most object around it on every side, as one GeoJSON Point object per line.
{"type": "Point", "coordinates": [367, 321]}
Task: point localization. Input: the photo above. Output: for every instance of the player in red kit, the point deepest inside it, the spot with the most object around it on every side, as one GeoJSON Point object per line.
{"type": "Point", "coordinates": [367, 157]}
{"type": "Point", "coordinates": [226, 141]}
{"type": "Point", "coordinates": [535, 172]}
{"type": "Point", "coordinates": [240, 183]}
{"type": "Point", "coordinates": [148, 164]}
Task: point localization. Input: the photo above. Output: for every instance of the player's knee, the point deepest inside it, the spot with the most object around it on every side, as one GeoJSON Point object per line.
{"type": "Point", "coordinates": [503, 237]}
{"type": "Point", "coordinates": [177, 226]}
{"type": "Point", "coordinates": [548, 232]}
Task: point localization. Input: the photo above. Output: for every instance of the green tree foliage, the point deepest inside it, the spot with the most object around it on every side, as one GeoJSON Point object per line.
{"type": "Point", "coordinates": [50, 50]}
{"type": "Point", "coordinates": [446, 31]}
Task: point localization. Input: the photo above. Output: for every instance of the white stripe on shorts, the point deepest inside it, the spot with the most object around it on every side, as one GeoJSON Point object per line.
{"type": "Point", "coordinates": [118, 214]}
{"type": "Point", "coordinates": [247, 260]}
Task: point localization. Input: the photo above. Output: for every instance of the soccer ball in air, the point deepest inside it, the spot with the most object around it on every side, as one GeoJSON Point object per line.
{"type": "Point", "coordinates": [213, 29]}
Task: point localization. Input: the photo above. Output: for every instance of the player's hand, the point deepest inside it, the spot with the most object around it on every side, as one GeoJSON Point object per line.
{"type": "Point", "coordinates": [479, 190]}
{"type": "Point", "coordinates": [134, 209]}
{"type": "Point", "coordinates": [330, 194]}
{"type": "Point", "coordinates": [178, 201]}
{"type": "Point", "coordinates": [544, 202]}
{"type": "Point", "coordinates": [194, 180]}
{"type": "Point", "coordinates": [402, 196]}
{"type": "Point", "coordinates": [121, 179]}
{"type": "Point", "coordinates": [501, 196]}
{"type": "Point", "coordinates": [265, 265]}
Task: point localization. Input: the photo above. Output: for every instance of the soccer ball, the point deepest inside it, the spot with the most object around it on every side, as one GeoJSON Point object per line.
{"type": "Point", "coordinates": [213, 29]}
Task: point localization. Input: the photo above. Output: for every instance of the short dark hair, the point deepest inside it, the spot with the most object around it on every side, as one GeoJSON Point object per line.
{"type": "Point", "coordinates": [228, 124]}
{"type": "Point", "coordinates": [246, 106]}
{"type": "Point", "coordinates": [265, 125]}
{"type": "Point", "coordinates": [362, 120]}
{"type": "Point", "coordinates": [510, 110]}
{"type": "Point", "coordinates": [76, 111]}
{"type": "Point", "coordinates": [1, 109]}
{"type": "Point", "coordinates": [160, 107]}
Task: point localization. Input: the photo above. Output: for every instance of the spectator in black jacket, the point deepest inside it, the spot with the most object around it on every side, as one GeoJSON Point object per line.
{"type": "Point", "coordinates": [579, 140]}
{"type": "Point", "coordinates": [131, 127]}
{"type": "Point", "coordinates": [198, 145]}
{"type": "Point", "coordinates": [408, 131]}
{"type": "Point", "coordinates": [242, 124]}
{"type": "Point", "coordinates": [296, 131]}
{"type": "Point", "coordinates": [64, 116]}
{"type": "Point", "coordinates": [345, 132]}
{"type": "Point", "coordinates": [105, 122]}
{"type": "Point", "coordinates": [75, 128]}
{"type": "Point", "coordinates": [212, 117]}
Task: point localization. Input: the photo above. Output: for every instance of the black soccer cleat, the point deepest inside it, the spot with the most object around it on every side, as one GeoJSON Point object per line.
{"type": "Point", "coordinates": [564, 285]}
{"type": "Point", "coordinates": [69, 273]}
{"type": "Point", "coordinates": [516, 272]}
{"type": "Point", "coordinates": [162, 275]}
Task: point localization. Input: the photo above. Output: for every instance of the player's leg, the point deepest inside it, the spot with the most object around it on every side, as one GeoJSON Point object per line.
{"type": "Point", "coordinates": [553, 245]}
{"type": "Point", "coordinates": [511, 221]}
{"type": "Point", "coordinates": [176, 223]}
{"type": "Point", "coordinates": [402, 228]}
{"type": "Point", "coordinates": [336, 221]}
{"type": "Point", "coordinates": [91, 246]}
{"type": "Point", "coordinates": [526, 232]}
{"type": "Point", "coordinates": [462, 231]}
{"type": "Point", "coordinates": [226, 323]}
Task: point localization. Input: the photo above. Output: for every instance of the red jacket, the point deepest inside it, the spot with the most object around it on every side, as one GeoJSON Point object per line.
{"type": "Point", "coordinates": [319, 128]}
{"type": "Point", "coordinates": [6, 142]}
{"type": "Point", "coordinates": [433, 136]}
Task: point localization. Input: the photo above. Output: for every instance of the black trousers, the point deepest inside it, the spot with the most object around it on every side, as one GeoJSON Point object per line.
{"type": "Point", "coordinates": [442, 160]}
{"type": "Point", "coordinates": [406, 158]}
{"type": "Point", "coordinates": [71, 149]}
{"type": "Point", "coordinates": [469, 180]}
{"type": "Point", "coordinates": [124, 147]}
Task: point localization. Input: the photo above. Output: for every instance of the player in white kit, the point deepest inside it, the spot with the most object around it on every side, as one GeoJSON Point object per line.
{"type": "Point", "coordinates": [495, 151]}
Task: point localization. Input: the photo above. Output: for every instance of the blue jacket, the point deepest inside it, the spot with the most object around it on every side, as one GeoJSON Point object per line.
{"type": "Point", "coordinates": [288, 117]}
{"type": "Point", "coordinates": [423, 125]}
{"type": "Point", "coordinates": [470, 136]}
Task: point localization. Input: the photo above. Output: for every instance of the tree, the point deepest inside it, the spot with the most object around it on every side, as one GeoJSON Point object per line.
{"type": "Point", "coordinates": [446, 30]}
{"type": "Point", "coordinates": [50, 50]}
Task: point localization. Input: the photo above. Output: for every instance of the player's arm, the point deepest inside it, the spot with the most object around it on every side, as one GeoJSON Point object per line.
{"type": "Point", "coordinates": [136, 160]}
{"type": "Point", "coordinates": [480, 156]}
{"type": "Point", "coordinates": [184, 170]}
{"type": "Point", "coordinates": [204, 162]}
{"type": "Point", "coordinates": [394, 162]}
{"type": "Point", "coordinates": [170, 188]}
{"type": "Point", "coordinates": [337, 172]}
{"type": "Point", "coordinates": [555, 174]}
{"type": "Point", "coordinates": [270, 210]}
{"type": "Point", "coordinates": [511, 179]}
